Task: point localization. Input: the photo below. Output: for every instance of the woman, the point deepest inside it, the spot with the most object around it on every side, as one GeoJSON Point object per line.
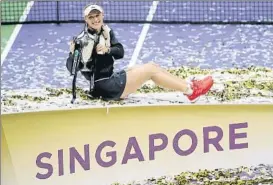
{"type": "Point", "coordinates": [115, 86]}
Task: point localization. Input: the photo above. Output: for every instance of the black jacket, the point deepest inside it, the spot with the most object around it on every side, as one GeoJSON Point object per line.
{"type": "Point", "coordinates": [104, 63]}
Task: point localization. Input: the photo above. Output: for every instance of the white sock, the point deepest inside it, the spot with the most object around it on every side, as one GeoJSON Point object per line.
{"type": "Point", "coordinates": [189, 90]}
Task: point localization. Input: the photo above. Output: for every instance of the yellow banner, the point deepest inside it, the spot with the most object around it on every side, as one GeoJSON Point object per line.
{"type": "Point", "coordinates": [103, 146]}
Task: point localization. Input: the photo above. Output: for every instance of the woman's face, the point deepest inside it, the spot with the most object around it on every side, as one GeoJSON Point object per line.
{"type": "Point", "coordinates": [94, 19]}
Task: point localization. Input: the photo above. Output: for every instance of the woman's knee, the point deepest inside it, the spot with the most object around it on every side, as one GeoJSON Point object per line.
{"type": "Point", "coordinates": [152, 67]}
{"type": "Point", "coordinates": [146, 70]}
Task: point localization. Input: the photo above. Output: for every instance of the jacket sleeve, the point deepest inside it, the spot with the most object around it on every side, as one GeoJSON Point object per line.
{"type": "Point", "coordinates": [116, 49]}
{"type": "Point", "coordinates": [70, 56]}
{"type": "Point", "coordinates": [69, 62]}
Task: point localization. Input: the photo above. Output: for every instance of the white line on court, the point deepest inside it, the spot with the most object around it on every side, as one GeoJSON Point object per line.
{"type": "Point", "coordinates": [143, 33]}
{"type": "Point", "coordinates": [15, 32]}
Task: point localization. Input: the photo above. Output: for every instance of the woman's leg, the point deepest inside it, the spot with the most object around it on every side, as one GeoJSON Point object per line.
{"type": "Point", "coordinates": [138, 75]}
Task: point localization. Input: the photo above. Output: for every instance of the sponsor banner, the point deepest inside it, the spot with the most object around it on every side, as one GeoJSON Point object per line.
{"type": "Point", "coordinates": [123, 144]}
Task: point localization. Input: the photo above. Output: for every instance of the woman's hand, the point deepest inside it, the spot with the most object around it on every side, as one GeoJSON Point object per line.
{"type": "Point", "coordinates": [101, 49]}
{"type": "Point", "coordinates": [72, 47]}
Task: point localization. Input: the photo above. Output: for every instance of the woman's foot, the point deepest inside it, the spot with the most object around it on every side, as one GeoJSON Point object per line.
{"type": "Point", "coordinates": [200, 87]}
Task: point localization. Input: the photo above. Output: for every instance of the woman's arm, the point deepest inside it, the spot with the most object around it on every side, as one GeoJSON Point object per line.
{"type": "Point", "coordinates": [69, 62]}
{"type": "Point", "coordinates": [116, 49]}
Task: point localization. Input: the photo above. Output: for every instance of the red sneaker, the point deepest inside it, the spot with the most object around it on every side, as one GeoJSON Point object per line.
{"type": "Point", "coordinates": [200, 87]}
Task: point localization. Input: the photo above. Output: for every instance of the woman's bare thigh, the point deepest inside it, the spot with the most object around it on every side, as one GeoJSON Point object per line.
{"type": "Point", "coordinates": [135, 78]}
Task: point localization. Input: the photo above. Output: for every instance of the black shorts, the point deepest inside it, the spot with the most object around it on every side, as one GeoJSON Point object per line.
{"type": "Point", "coordinates": [111, 88]}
